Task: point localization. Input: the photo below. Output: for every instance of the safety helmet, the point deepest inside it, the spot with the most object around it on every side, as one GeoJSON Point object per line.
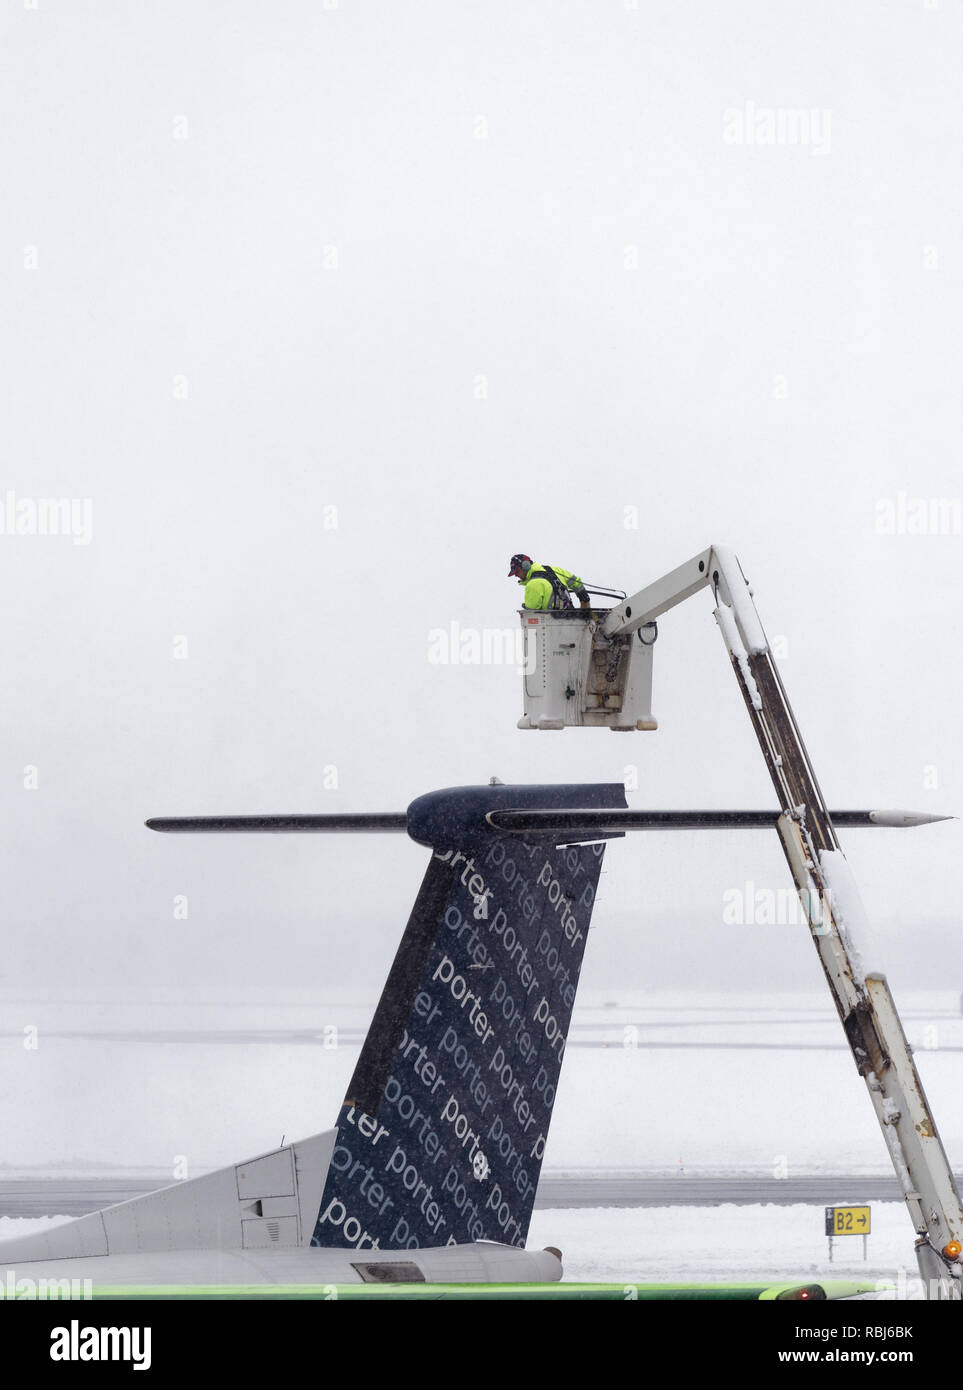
{"type": "Point", "coordinates": [520, 565]}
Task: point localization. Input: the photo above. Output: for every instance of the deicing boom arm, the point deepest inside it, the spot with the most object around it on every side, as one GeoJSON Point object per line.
{"type": "Point", "coordinates": [831, 900]}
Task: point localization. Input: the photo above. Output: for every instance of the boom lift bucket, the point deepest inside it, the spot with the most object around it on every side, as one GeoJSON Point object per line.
{"type": "Point", "coordinates": [577, 675]}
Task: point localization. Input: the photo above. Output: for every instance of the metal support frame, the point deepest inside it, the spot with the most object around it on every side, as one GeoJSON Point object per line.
{"type": "Point", "coordinates": [866, 1009]}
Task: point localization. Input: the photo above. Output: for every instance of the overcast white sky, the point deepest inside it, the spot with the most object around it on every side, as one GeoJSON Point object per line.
{"type": "Point", "coordinates": [480, 277]}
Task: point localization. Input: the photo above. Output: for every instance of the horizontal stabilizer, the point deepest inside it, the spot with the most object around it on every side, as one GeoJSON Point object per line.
{"type": "Point", "coordinates": [534, 820]}
{"type": "Point", "coordinates": [350, 822]}
{"type": "Point", "coordinates": [581, 822]}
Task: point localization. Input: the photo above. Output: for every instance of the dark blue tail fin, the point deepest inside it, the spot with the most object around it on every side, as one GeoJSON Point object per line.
{"type": "Point", "coordinates": [441, 1135]}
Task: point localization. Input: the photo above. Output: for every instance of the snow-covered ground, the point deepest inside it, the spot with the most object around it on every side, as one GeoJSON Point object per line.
{"type": "Point", "coordinates": [742, 1243]}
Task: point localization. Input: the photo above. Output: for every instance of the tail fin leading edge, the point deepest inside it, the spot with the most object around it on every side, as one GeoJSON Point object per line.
{"type": "Point", "coordinates": [441, 1136]}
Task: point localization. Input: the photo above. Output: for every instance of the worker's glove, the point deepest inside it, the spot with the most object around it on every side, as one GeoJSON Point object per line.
{"type": "Point", "coordinates": [585, 603]}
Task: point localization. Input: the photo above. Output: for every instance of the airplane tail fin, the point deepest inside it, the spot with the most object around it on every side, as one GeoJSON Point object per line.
{"type": "Point", "coordinates": [442, 1132]}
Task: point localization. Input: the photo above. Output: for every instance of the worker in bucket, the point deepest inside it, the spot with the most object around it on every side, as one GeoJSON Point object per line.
{"type": "Point", "coordinates": [547, 586]}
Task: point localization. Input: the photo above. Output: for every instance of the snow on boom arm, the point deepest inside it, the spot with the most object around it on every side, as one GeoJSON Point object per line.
{"type": "Point", "coordinates": [831, 900]}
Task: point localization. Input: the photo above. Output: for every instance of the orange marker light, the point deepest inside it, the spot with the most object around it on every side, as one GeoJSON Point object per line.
{"type": "Point", "coordinates": [952, 1249]}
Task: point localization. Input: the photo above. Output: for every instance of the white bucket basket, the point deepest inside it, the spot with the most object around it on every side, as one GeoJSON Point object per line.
{"type": "Point", "coordinates": [576, 676]}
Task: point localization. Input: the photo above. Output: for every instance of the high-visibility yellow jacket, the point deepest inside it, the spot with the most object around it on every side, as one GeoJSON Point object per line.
{"type": "Point", "coordinates": [539, 591]}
